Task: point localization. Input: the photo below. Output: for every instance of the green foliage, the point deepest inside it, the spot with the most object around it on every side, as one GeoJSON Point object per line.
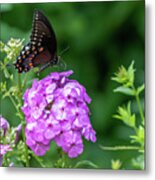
{"type": "Point", "coordinates": [14, 93]}
{"type": "Point", "coordinates": [11, 51]}
{"type": "Point", "coordinates": [126, 77]}
{"type": "Point", "coordinates": [21, 152]}
{"type": "Point", "coordinates": [139, 137]}
{"type": "Point", "coordinates": [138, 163]}
{"type": "Point", "coordinates": [124, 114]}
{"type": "Point", "coordinates": [116, 164]}
{"type": "Point", "coordinates": [10, 136]}
{"type": "Point", "coordinates": [99, 43]}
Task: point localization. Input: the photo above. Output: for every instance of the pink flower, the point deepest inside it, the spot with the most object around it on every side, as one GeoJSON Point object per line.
{"type": "Point", "coordinates": [3, 150]}
{"type": "Point", "coordinates": [56, 110]}
{"type": "Point", "coordinates": [4, 125]}
{"type": "Point", "coordinates": [6, 142]}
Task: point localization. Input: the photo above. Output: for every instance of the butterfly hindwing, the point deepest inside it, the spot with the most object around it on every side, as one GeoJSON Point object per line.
{"type": "Point", "coordinates": [42, 46]}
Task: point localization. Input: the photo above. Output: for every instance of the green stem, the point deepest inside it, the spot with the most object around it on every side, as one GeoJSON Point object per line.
{"type": "Point", "coordinates": [38, 160]}
{"type": "Point", "coordinates": [25, 79]}
{"type": "Point", "coordinates": [118, 148]}
{"type": "Point", "coordinates": [25, 146]}
{"type": "Point", "coordinates": [13, 102]}
{"type": "Point", "coordinates": [140, 108]}
{"type": "Point", "coordinates": [23, 129]}
{"type": "Point", "coordinates": [86, 162]}
{"type": "Point", "coordinates": [19, 84]}
{"type": "Point", "coordinates": [63, 160]}
{"type": "Point", "coordinates": [23, 124]}
{"type": "Point", "coordinates": [139, 104]}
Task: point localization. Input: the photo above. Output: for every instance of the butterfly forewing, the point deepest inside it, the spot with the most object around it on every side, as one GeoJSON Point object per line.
{"type": "Point", "coordinates": [42, 46]}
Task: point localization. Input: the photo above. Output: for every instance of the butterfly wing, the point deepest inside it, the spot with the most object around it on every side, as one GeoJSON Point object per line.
{"type": "Point", "coordinates": [42, 46]}
{"type": "Point", "coordinates": [43, 33]}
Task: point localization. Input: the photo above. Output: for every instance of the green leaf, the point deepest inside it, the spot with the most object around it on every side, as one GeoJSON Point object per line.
{"type": "Point", "coordinates": [138, 163]}
{"type": "Point", "coordinates": [124, 114]}
{"type": "Point", "coordinates": [140, 88]}
{"type": "Point", "coordinates": [125, 90]}
{"type": "Point", "coordinates": [131, 71]}
{"type": "Point", "coordinates": [11, 77]}
{"type": "Point", "coordinates": [3, 86]}
{"type": "Point", "coordinates": [2, 46]}
{"type": "Point", "coordinates": [85, 164]}
{"type": "Point", "coordinates": [116, 164]}
{"type": "Point", "coordinates": [139, 137]}
{"type": "Point", "coordinates": [14, 90]}
{"type": "Point", "coordinates": [6, 94]}
{"type": "Point", "coordinates": [12, 49]}
{"type": "Point", "coordinates": [6, 73]}
{"type": "Point", "coordinates": [125, 76]}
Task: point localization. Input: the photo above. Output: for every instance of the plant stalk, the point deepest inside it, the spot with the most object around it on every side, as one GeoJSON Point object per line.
{"type": "Point", "coordinates": [119, 148]}
{"type": "Point", "coordinates": [23, 124]}
{"type": "Point", "coordinates": [140, 108]}
{"type": "Point", "coordinates": [38, 160]}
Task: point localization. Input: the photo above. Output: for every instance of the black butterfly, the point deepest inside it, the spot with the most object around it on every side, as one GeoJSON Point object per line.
{"type": "Point", "coordinates": [42, 48]}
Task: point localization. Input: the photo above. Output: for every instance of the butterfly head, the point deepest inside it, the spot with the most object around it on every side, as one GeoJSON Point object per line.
{"type": "Point", "coordinates": [55, 60]}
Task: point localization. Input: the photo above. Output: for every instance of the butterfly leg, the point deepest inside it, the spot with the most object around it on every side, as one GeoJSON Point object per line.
{"type": "Point", "coordinates": [43, 67]}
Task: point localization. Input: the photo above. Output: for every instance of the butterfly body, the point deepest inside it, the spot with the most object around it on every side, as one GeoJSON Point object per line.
{"type": "Point", "coordinates": [42, 48]}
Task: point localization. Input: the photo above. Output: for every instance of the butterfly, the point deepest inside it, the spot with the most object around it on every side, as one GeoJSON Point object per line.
{"type": "Point", "coordinates": [42, 48]}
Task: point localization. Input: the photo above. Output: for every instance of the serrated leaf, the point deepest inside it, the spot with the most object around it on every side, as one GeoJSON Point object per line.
{"type": "Point", "coordinates": [138, 162]}
{"type": "Point", "coordinates": [125, 115]}
{"type": "Point", "coordinates": [117, 116]}
{"type": "Point", "coordinates": [132, 120]}
{"type": "Point", "coordinates": [139, 137]}
{"type": "Point", "coordinates": [140, 88]}
{"type": "Point", "coordinates": [116, 164]}
{"type": "Point", "coordinates": [14, 89]}
{"type": "Point", "coordinates": [125, 90]}
{"type": "Point", "coordinates": [6, 94]}
{"type": "Point", "coordinates": [125, 76]}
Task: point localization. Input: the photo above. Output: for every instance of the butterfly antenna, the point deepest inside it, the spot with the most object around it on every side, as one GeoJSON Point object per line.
{"type": "Point", "coordinates": [62, 63]}
{"type": "Point", "coordinates": [64, 50]}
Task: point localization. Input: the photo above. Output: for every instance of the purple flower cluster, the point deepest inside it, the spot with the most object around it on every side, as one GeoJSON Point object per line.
{"type": "Point", "coordinates": [56, 109]}
{"type": "Point", "coordinates": [4, 148]}
{"type": "Point", "coordinates": [8, 138]}
{"type": "Point", "coordinates": [4, 126]}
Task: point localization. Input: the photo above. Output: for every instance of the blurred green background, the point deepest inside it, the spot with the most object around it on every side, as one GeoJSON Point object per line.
{"type": "Point", "coordinates": [101, 36]}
